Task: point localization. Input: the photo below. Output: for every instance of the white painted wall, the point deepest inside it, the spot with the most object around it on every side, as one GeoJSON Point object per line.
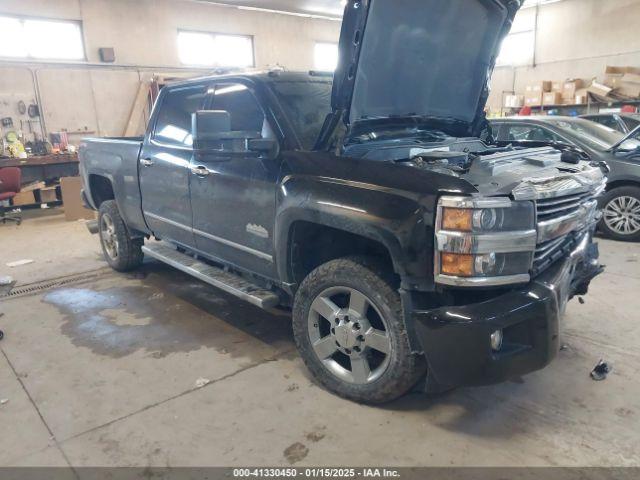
{"type": "Point", "coordinates": [96, 98]}
{"type": "Point", "coordinates": [576, 39]}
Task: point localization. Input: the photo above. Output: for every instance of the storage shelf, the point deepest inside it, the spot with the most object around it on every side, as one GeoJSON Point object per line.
{"type": "Point", "coordinates": [574, 105]}
{"type": "Point", "coordinates": [587, 106]}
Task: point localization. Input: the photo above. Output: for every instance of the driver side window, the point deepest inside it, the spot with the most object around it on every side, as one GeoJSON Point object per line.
{"type": "Point", "coordinates": [245, 111]}
{"type": "Point", "coordinates": [173, 125]}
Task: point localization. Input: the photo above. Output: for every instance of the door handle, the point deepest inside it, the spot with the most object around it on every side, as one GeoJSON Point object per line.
{"type": "Point", "coordinates": [147, 162]}
{"type": "Point", "coordinates": [200, 171]}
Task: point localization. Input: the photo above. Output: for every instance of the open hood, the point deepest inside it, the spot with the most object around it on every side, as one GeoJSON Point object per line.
{"type": "Point", "coordinates": [419, 59]}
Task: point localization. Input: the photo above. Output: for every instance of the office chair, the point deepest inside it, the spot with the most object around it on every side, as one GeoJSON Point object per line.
{"type": "Point", "coordinates": [9, 188]}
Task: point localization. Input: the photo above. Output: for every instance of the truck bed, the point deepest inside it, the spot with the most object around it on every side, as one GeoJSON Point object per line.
{"type": "Point", "coordinates": [115, 159]}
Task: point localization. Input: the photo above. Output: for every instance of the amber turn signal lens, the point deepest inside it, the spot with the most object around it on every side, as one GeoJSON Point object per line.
{"type": "Point", "coordinates": [457, 264]}
{"type": "Point", "coordinates": [459, 219]}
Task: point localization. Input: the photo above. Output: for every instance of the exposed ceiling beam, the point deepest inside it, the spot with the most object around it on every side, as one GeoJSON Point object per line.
{"type": "Point", "coordinates": [331, 9]}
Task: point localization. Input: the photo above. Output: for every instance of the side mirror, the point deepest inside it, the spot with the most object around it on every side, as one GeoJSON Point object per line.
{"type": "Point", "coordinates": [630, 146]}
{"type": "Point", "coordinates": [212, 134]}
{"type": "Point", "coordinates": [210, 126]}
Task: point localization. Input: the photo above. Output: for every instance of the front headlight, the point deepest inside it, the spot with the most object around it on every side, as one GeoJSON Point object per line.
{"type": "Point", "coordinates": [508, 217]}
{"type": "Point", "coordinates": [484, 241]}
{"type": "Point", "coordinates": [485, 264]}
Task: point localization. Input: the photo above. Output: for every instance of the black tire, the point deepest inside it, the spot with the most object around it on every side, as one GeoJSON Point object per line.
{"type": "Point", "coordinates": [608, 201]}
{"type": "Point", "coordinates": [125, 253]}
{"type": "Point", "coordinates": [402, 370]}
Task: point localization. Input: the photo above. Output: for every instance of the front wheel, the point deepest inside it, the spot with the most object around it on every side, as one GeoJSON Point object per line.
{"type": "Point", "coordinates": [348, 327]}
{"type": "Point", "coordinates": [121, 252]}
{"type": "Point", "coordinates": [621, 214]}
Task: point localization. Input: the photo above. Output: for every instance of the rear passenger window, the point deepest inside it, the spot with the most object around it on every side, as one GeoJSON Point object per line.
{"type": "Point", "coordinates": [174, 118]}
{"type": "Point", "coordinates": [237, 99]}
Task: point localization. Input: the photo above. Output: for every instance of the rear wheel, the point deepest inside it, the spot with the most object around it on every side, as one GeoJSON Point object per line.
{"type": "Point", "coordinates": [349, 330]}
{"type": "Point", "coordinates": [621, 214]}
{"type": "Point", "coordinates": [121, 252]}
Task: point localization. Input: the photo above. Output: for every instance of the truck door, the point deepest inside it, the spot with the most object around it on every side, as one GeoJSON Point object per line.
{"type": "Point", "coordinates": [164, 164]}
{"type": "Point", "coordinates": [233, 198]}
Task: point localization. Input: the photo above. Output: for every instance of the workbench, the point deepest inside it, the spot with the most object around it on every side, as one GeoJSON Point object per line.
{"type": "Point", "coordinates": [44, 168]}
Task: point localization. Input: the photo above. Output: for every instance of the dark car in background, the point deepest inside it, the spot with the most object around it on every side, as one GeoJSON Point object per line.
{"type": "Point", "coordinates": [622, 122]}
{"type": "Point", "coordinates": [621, 203]}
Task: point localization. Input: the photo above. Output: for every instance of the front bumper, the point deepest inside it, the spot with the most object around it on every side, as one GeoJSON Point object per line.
{"type": "Point", "coordinates": [456, 340]}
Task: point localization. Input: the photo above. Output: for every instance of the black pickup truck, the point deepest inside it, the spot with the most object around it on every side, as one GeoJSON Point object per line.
{"type": "Point", "coordinates": [411, 249]}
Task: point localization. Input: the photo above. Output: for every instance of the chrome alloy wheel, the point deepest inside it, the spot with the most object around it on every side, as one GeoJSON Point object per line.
{"type": "Point", "coordinates": [108, 236]}
{"type": "Point", "coordinates": [349, 335]}
{"type": "Point", "coordinates": [622, 215]}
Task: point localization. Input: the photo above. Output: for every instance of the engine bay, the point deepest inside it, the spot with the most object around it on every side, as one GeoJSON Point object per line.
{"type": "Point", "coordinates": [492, 168]}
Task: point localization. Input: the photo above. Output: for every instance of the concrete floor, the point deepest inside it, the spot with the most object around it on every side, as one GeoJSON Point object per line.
{"type": "Point", "coordinates": [103, 372]}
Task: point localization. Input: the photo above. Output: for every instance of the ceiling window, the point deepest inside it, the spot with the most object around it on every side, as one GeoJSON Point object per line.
{"type": "Point", "coordinates": [517, 49]}
{"type": "Point", "coordinates": [40, 39]}
{"type": "Point", "coordinates": [533, 3]}
{"type": "Point", "coordinates": [519, 46]}
{"type": "Point", "coordinates": [215, 50]}
{"type": "Point", "coordinates": [326, 57]}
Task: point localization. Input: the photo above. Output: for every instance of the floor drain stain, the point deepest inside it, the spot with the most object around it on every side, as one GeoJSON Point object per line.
{"type": "Point", "coordinates": [49, 284]}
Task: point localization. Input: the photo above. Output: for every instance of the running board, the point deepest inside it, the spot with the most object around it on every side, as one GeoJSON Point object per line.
{"type": "Point", "coordinates": [217, 277]}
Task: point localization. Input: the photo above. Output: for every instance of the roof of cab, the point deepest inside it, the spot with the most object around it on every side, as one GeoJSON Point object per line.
{"type": "Point", "coordinates": [262, 76]}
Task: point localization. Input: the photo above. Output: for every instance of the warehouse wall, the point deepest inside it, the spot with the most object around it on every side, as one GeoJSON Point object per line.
{"type": "Point", "coordinates": [97, 98]}
{"type": "Point", "coordinates": [575, 39]}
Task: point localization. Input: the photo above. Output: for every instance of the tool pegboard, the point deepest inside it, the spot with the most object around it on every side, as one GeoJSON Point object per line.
{"type": "Point", "coordinates": [17, 116]}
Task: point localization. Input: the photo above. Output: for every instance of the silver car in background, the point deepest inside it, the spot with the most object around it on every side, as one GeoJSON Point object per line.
{"type": "Point", "coordinates": [621, 203]}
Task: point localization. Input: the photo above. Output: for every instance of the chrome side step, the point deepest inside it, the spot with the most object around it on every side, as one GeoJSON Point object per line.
{"type": "Point", "coordinates": [217, 277]}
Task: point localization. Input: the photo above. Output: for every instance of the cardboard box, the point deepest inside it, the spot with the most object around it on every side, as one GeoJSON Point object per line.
{"type": "Point", "coordinates": [533, 99]}
{"type": "Point", "coordinates": [628, 89]}
{"type": "Point", "coordinates": [614, 76]}
{"type": "Point", "coordinates": [514, 101]}
{"type": "Point", "coordinates": [631, 78]}
{"type": "Point", "coordinates": [625, 85]}
{"type": "Point", "coordinates": [613, 81]}
{"type": "Point", "coordinates": [24, 198]}
{"type": "Point", "coordinates": [48, 195]}
{"type": "Point", "coordinates": [570, 88]}
{"type": "Point", "coordinates": [551, 98]}
{"type": "Point", "coordinates": [621, 70]}
{"type": "Point", "coordinates": [599, 89]}
{"type": "Point", "coordinates": [557, 86]}
{"type": "Point", "coordinates": [72, 201]}
{"type": "Point", "coordinates": [582, 97]}
{"type": "Point", "coordinates": [539, 87]}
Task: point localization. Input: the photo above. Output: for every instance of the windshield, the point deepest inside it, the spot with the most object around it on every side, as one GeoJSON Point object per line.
{"type": "Point", "coordinates": [595, 135]}
{"type": "Point", "coordinates": [306, 104]}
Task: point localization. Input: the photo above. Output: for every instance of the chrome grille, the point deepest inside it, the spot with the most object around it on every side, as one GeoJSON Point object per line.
{"type": "Point", "coordinates": [556, 210]}
{"type": "Point", "coordinates": [549, 208]}
{"type": "Point", "coordinates": [548, 253]}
